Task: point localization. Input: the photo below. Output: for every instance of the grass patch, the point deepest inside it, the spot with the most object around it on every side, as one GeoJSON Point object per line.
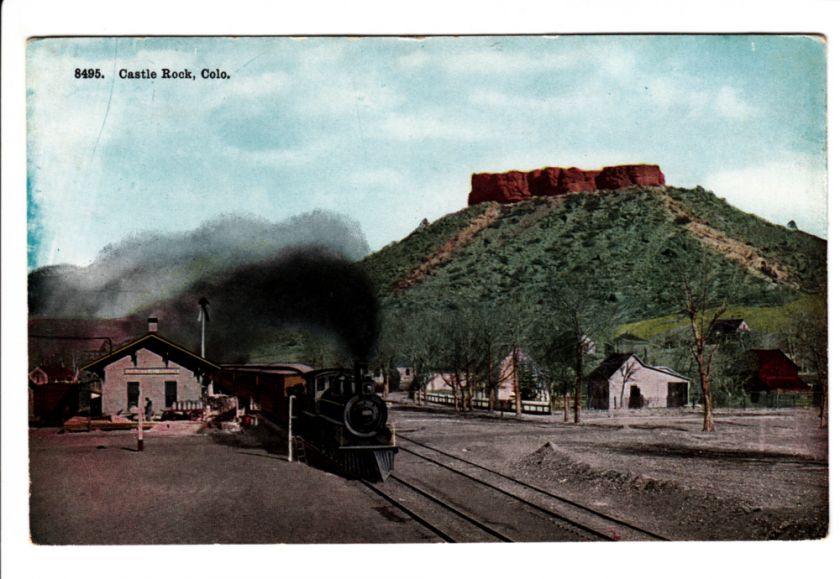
{"type": "Point", "coordinates": [767, 319]}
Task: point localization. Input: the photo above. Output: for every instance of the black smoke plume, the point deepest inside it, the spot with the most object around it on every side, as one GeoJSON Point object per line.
{"type": "Point", "coordinates": [149, 268]}
{"type": "Point", "coordinates": [312, 288]}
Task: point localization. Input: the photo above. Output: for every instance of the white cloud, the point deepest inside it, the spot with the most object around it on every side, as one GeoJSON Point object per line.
{"type": "Point", "coordinates": [305, 154]}
{"type": "Point", "coordinates": [680, 94]}
{"type": "Point", "coordinates": [379, 178]}
{"type": "Point", "coordinates": [501, 62]}
{"type": "Point", "coordinates": [337, 95]}
{"type": "Point", "coordinates": [607, 95]}
{"type": "Point", "coordinates": [265, 84]}
{"type": "Point", "coordinates": [616, 62]}
{"type": "Point", "coordinates": [578, 100]}
{"type": "Point", "coordinates": [610, 61]}
{"type": "Point", "coordinates": [526, 158]}
{"type": "Point", "coordinates": [730, 104]}
{"type": "Point", "coordinates": [424, 126]}
{"type": "Point", "coordinates": [417, 59]}
{"type": "Point", "coordinates": [791, 188]}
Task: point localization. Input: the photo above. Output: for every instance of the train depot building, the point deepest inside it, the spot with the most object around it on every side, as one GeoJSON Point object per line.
{"type": "Point", "coordinates": [151, 367]}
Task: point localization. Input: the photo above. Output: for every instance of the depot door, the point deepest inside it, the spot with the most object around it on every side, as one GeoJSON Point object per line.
{"type": "Point", "coordinates": [133, 395]}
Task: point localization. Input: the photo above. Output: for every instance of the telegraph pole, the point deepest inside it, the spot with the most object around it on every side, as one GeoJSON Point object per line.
{"type": "Point", "coordinates": [203, 316]}
{"type": "Point", "coordinates": [140, 411]}
{"type": "Point", "coordinates": [291, 400]}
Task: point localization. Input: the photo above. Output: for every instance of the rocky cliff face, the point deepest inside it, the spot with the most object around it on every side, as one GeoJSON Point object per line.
{"type": "Point", "coordinates": [511, 186]}
{"type": "Point", "coordinates": [514, 186]}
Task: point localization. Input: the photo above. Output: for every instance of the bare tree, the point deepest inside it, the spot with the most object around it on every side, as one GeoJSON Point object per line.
{"type": "Point", "coordinates": [572, 324]}
{"type": "Point", "coordinates": [510, 371]}
{"type": "Point", "coordinates": [627, 371]}
{"type": "Point", "coordinates": [808, 342]}
{"type": "Point", "coordinates": [545, 345]}
{"type": "Point", "coordinates": [459, 352]}
{"type": "Point", "coordinates": [697, 301]}
{"type": "Point", "coordinates": [509, 328]}
{"type": "Point", "coordinates": [463, 345]}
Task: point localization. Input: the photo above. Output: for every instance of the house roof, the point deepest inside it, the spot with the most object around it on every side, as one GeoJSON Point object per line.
{"type": "Point", "coordinates": [628, 337]}
{"type": "Point", "coordinates": [56, 373]}
{"type": "Point", "coordinates": [159, 345]}
{"type": "Point", "coordinates": [522, 357]}
{"type": "Point", "coordinates": [612, 363]}
{"type": "Point", "coordinates": [610, 366]}
{"type": "Point", "coordinates": [728, 326]}
{"type": "Point", "coordinates": [273, 368]}
{"type": "Point", "coordinates": [773, 370]}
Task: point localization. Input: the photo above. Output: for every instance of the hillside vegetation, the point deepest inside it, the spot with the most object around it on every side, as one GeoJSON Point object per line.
{"type": "Point", "coordinates": [630, 249]}
{"type": "Point", "coordinates": [622, 255]}
{"type": "Point", "coordinates": [765, 320]}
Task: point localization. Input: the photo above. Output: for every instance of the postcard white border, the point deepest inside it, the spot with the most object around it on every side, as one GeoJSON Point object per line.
{"type": "Point", "coordinates": [23, 19]}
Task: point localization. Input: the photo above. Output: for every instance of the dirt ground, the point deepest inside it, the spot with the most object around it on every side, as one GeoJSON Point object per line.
{"type": "Point", "coordinates": [192, 487]}
{"type": "Point", "coordinates": [761, 474]}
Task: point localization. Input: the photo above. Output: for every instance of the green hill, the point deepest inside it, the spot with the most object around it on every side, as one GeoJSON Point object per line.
{"type": "Point", "coordinates": [624, 252]}
{"type": "Point", "coordinates": [628, 248]}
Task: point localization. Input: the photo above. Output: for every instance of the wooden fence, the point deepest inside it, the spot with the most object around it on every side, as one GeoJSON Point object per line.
{"type": "Point", "coordinates": [528, 406]}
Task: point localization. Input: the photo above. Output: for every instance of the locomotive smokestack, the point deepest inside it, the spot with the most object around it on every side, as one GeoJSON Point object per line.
{"type": "Point", "coordinates": [359, 372]}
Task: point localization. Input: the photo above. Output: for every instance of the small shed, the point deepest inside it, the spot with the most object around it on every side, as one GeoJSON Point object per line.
{"type": "Point", "coordinates": [54, 393]}
{"type": "Point", "coordinates": [730, 327]}
{"type": "Point", "coordinates": [623, 380]}
{"type": "Point", "coordinates": [153, 367]}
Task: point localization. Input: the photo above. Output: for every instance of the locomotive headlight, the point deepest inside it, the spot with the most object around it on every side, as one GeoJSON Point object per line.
{"type": "Point", "coordinates": [364, 416]}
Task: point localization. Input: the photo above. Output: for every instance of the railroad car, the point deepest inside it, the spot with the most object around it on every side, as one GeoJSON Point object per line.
{"type": "Point", "coordinates": [335, 411]}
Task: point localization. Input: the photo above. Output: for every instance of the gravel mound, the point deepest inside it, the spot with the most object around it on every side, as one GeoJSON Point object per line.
{"type": "Point", "coordinates": [642, 500]}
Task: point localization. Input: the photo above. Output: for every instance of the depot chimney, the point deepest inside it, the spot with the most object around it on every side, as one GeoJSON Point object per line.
{"type": "Point", "coordinates": [153, 325]}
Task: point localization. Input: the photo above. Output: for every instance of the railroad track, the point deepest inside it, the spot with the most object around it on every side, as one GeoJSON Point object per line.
{"type": "Point", "coordinates": [461, 527]}
{"type": "Point", "coordinates": [574, 520]}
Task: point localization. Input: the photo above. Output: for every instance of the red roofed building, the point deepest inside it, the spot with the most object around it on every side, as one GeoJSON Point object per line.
{"type": "Point", "coordinates": [53, 394]}
{"type": "Point", "coordinates": [772, 371]}
{"type": "Point", "coordinates": [47, 374]}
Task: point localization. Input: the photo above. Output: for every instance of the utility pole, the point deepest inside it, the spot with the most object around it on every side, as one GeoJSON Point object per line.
{"type": "Point", "coordinates": [203, 316]}
{"type": "Point", "coordinates": [140, 411]}
{"type": "Point", "coordinates": [291, 401]}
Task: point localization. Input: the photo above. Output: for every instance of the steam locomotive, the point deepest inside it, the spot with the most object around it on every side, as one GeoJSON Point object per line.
{"type": "Point", "coordinates": [335, 411]}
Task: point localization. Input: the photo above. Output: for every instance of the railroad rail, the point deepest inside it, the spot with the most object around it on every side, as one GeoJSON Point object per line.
{"type": "Point", "coordinates": [436, 528]}
{"type": "Point", "coordinates": [584, 519]}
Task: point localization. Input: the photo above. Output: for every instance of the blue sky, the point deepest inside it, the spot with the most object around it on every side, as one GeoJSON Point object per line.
{"type": "Point", "coordinates": [389, 130]}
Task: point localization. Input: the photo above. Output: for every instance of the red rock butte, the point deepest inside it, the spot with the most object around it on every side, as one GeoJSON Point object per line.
{"type": "Point", "coordinates": [513, 186]}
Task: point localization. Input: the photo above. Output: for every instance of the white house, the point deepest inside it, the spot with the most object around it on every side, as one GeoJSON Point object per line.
{"type": "Point", "coordinates": [438, 382]}
{"type": "Point", "coordinates": [624, 381]}
{"type": "Point", "coordinates": [524, 370]}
